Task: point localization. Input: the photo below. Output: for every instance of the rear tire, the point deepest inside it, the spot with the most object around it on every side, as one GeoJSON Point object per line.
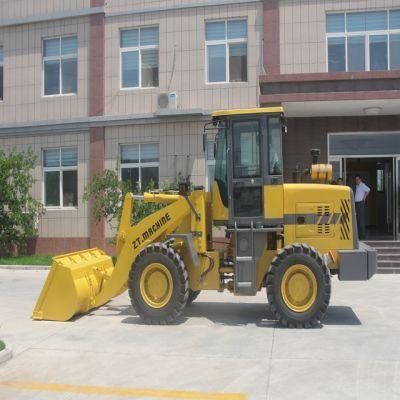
{"type": "Point", "coordinates": [298, 286]}
{"type": "Point", "coordinates": [158, 284]}
{"type": "Point", "coordinates": [193, 294]}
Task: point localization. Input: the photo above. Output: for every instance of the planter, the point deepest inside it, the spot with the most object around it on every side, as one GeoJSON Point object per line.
{"type": "Point", "coordinates": [9, 250]}
{"type": "Point", "coordinates": [5, 352]}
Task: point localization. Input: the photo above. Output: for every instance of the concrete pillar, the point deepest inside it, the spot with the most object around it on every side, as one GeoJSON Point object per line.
{"type": "Point", "coordinates": [271, 37]}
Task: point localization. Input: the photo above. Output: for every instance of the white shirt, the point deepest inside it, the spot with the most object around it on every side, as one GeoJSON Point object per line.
{"type": "Point", "coordinates": [361, 190]}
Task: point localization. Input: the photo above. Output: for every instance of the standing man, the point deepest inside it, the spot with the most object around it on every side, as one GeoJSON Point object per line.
{"type": "Point", "coordinates": [362, 192]}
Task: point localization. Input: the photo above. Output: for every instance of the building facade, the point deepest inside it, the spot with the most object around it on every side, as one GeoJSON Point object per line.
{"type": "Point", "coordinates": [335, 67]}
{"type": "Point", "coordinates": [129, 84]}
{"type": "Point", "coordinates": [125, 85]}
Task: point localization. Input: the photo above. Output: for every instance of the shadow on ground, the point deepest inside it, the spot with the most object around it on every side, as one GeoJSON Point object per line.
{"type": "Point", "coordinates": [341, 315]}
{"type": "Point", "coordinates": [239, 314]}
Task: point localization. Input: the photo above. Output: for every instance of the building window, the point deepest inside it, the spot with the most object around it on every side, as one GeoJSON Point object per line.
{"type": "Point", "coordinates": [1, 73]}
{"type": "Point", "coordinates": [363, 41]}
{"type": "Point", "coordinates": [139, 57]}
{"type": "Point", "coordinates": [140, 164]}
{"type": "Point", "coordinates": [60, 177]}
{"type": "Point", "coordinates": [210, 163]}
{"type": "Point", "coordinates": [60, 65]}
{"type": "Point", "coordinates": [226, 51]}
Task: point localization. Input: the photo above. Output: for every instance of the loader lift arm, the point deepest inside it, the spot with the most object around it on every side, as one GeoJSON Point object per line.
{"type": "Point", "coordinates": [81, 281]}
{"type": "Point", "coordinates": [151, 229]}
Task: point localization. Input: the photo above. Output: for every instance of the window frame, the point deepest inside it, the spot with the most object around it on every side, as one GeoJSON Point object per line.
{"type": "Point", "coordinates": [59, 169]}
{"type": "Point", "coordinates": [60, 58]}
{"type": "Point", "coordinates": [226, 42]}
{"type": "Point", "coordinates": [139, 164]}
{"type": "Point", "coordinates": [269, 141]}
{"type": "Point", "coordinates": [139, 49]}
{"type": "Point", "coordinates": [366, 34]}
{"type": "Point", "coordinates": [2, 66]}
{"type": "Point", "coordinates": [210, 162]}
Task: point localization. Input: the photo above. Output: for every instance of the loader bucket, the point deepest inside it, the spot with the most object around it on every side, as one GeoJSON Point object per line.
{"type": "Point", "coordinates": [73, 282]}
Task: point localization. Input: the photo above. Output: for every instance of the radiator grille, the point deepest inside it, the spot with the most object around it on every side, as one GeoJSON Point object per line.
{"type": "Point", "coordinates": [324, 216]}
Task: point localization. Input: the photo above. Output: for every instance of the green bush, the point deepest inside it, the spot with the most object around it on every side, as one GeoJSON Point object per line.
{"type": "Point", "coordinates": [19, 211]}
{"type": "Point", "coordinates": [2, 345]}
{"type": "Point", "coordinates": [107, 193]}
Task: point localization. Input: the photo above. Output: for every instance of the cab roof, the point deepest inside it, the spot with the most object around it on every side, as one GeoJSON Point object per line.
{"type": "Point", "coordinates": [248, 111]}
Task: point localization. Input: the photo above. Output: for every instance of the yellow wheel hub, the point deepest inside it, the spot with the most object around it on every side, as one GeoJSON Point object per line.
{"type": "Point", "coordinates": [156, 285]}
{"type": "Point", "coordinates": [299, 288]}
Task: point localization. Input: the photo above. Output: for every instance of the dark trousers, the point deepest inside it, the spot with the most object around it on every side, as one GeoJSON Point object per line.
{"type": "Point", "coordinates": [360, 211]}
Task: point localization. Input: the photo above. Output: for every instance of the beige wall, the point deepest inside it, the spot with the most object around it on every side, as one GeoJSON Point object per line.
{"type": "Point", "coordinates": [23, 83]}
{"type": "Point", "coordinates": [10, 9]}
{"type": "Point", "coordinates": [302, 32]}
{"type": "Point", "coordinates": [181, 36]}
{"type": "Point", "coordinates": [122, 5]}
{"type": "Point", "coordinates": [57, 222]}
{"type": "Point", "coordinates": [181, 148]}
{"type": "Point", "coordinates": [182, 33]}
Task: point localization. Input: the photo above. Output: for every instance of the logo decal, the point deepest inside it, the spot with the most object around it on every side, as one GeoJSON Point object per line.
{"type": "Point", "coordinates": [148, 233]}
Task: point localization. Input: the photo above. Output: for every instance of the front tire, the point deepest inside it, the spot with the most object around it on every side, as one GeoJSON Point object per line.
{"type": "Point", "coordinates": [193, 294]}
{"type": "Point", "coordinates": [298, 286]}
{"type": "Point", "coordinates": [158, 284]}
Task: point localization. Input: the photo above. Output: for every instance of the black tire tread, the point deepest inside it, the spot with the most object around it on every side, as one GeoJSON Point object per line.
{"type": "Point", "coordinates": [298, 248]}
{"type": "Point", "coordinates": [193, 294]}
{"type": "Point", "coordinates": [182, 299]}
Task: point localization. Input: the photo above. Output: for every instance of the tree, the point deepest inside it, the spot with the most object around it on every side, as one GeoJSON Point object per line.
{"type": "Point", "coordinates": [19, 211]}
{"type": "Point", "coordinates": [107, 192]}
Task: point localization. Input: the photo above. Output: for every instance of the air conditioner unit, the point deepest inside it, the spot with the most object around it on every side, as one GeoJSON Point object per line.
{"type": "Point", "coordinates": [167, 101]}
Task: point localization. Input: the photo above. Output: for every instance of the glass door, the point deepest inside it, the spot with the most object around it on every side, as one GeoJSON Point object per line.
{"type": "Point", "coordinates": [390, 201]}
{"type": "Point", "coordinates": [337, 168]}
{"type": "Point", "coordinates": [247, 182]}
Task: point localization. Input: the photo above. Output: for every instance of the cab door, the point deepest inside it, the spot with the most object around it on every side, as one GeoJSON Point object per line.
{"type": "Point", "coordinates": [246, 183]}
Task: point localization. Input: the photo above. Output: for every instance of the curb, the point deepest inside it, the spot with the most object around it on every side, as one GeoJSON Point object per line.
{"type": "Point", "coordinates": [25, 267]}
{"type": "Point", "coordinates": [6, 354]}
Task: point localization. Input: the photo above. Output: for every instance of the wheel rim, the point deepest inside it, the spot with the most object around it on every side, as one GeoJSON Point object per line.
{"type": "Point", "coordinates": [156, 285]}
{"type": "Point", "coordinates": [299, 288]}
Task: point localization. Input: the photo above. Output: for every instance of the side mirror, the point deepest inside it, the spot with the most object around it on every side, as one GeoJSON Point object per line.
{"type": "Point", "coordinates": [215, 149]}
{"type": "Point", "coordinates": [204, 142]}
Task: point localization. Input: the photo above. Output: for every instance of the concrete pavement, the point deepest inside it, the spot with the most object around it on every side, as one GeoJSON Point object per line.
{"type": "Point", "coordinates": [224, 346]}
{"type": "Point", "coordinates": [25, 267]}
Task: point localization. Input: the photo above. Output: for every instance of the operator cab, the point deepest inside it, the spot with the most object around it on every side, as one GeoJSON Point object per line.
{"type": "Point", "coordinates": [248, 165]}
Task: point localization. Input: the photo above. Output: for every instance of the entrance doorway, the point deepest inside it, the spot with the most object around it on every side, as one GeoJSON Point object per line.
{"type": "Point", "coordinates": [378, 175]}
{"type": "Point", "coordinates": [376, 157]}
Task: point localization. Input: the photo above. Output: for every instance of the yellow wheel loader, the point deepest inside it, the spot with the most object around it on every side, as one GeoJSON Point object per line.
{"type": "Point", "coordinates": [287, 238]}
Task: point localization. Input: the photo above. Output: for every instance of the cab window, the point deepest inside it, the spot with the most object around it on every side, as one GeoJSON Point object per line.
{"type": "Point", "coordinates": [246, 149]}
{"type": "Point", "coordinates": [275, 146]}
{"type": "Point", "coordinates": [220, 165]}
